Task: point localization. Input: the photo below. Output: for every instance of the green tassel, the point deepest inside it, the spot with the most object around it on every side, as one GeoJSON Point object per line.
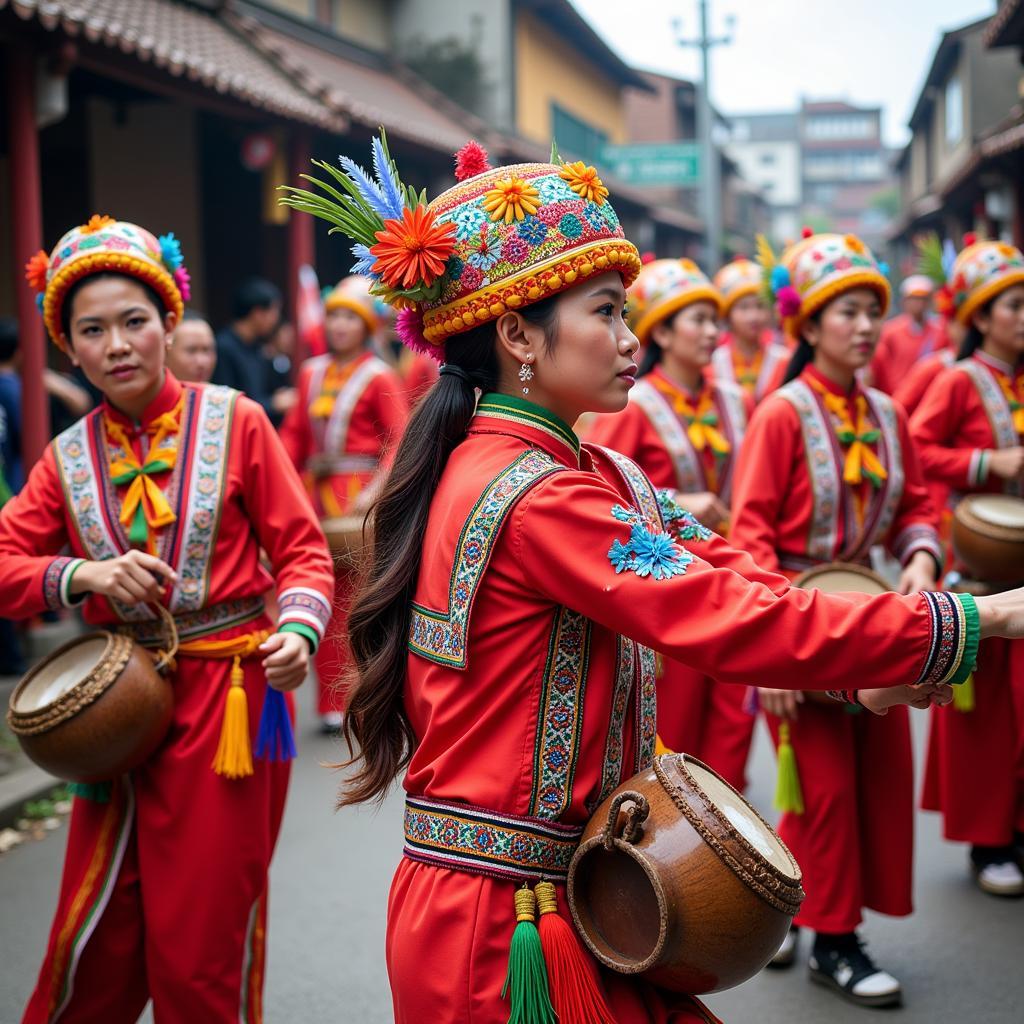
{"type": "Point", "coordinates": [526, 982]}
{"type": "Point", "coordinates": [788, 795]}
{"type": "Point", "coordinates": [139, 532]}
{"type": "Point", "coordinates": [963, 695]}
{"type": "Point", "coordinates": [98, 792]}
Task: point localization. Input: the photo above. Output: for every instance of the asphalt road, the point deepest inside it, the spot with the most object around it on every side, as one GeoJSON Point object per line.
{"type": "Point", "coordinates": [959, 956]}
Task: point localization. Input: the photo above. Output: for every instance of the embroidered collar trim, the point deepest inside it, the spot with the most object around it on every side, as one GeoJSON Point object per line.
{"type": "Point", "coordinates": [517, 410]}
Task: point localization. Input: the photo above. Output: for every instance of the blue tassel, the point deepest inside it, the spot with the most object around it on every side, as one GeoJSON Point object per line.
{"type": "Point", "coordinates": [98, 792]}
{"type": "Point", "coordinates": [275, 740]}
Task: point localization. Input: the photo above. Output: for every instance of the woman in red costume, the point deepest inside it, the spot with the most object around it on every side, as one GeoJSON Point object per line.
{"type": "Point", "coordinates": [685, 434]}
{"type": "Point", "coordinates": [167, 492]}
{"type": "Point", "coordinates": [970, 431]}
{"type": "Point", "coordinates": [748, 352]}
{"type": "Point", "coordinates": [827, 472]}
{"type": "Point", "coordinates": [341, 435]}
{"type": "Point", "coordinates": [504, 635]}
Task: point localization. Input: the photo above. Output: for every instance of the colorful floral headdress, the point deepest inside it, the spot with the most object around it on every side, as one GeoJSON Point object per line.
{"type": "Point", "coordinates": [353, 293]}
{"type": "Point", "coordinates": [104, 244]}
{"type": "Point", "coordinates": [977, 275]}
{"type": "Point", "coordinates": [737, 280]}
{"type": "Point", "coordinates": [662, 288]}
{"type": "Point", "coordinates": [813, 271]}
{"type": "Point", "coordinates": [500, 239]}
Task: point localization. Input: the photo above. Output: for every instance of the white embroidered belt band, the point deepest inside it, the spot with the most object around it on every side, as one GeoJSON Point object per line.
{"type": "Point", "coordinates": [192, 625]}
{"type": "Point", "coordinates": [326, 464]}
{"type": "Point", "coordinates": [466, 838]}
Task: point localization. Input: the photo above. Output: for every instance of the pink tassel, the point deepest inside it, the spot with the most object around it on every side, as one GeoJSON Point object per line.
{"type": "Point", "coordinates": [409, 328]}
{"type": "Point", "coordinates": [182, 280]}
{"type": "Point", "coordinates": [788, 299]}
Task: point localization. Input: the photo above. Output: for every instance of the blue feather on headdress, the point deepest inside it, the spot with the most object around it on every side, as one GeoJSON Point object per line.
{"type": "Point", "coordinates": [364, 259]}
{"type": "Point", "coordinates": [390, 187]}
{"type": "Point", "coordinates": [369, 190]}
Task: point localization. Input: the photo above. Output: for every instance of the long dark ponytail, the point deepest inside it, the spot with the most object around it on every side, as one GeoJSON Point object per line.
{"type": "Point", "coordinates": [803, 356]}
{"type": "Point", "coordinates": [376, 726]}
{"type": "Point", "coordinates": [974, 339]}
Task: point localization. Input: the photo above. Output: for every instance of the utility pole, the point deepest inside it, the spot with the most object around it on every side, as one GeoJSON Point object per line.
{"type": "Point", "coordinates": [711, 186]}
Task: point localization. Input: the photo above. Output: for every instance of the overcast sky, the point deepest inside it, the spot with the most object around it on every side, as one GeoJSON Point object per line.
{"type": "Point", "coordinates": [875, 52]}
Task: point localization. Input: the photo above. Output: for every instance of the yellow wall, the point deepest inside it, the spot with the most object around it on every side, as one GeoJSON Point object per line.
{"type": "Point", "coordinates": [366, 22]}
{"type": "Point", "coordinates": [300, 8]}
{"type": "Point", "coordinates": [546, 71]}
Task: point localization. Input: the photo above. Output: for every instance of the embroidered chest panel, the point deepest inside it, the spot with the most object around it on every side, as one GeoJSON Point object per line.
{"type": "Point", "coordinates": [194, 490]}
{"type": "Point", "coordinates": [690, 476]}
{"type": "Point", "coordinates": [832, 500]}
{"type": "Point", "coordinates": [997, 410]}
{"type": "Point", "coordinates": [441, 636]}
{"type": "Point", "coordinates": [331, 435]}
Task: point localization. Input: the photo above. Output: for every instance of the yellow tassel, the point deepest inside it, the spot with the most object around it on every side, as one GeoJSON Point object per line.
{"type": "Point", "coordinates": [660, 748]}
{"type": "Point", "coordinates": [963, 695]}
{"type": "Point", "coordinates": [234, 751]}
{"type": "Point", "coordinates": [788, 794]}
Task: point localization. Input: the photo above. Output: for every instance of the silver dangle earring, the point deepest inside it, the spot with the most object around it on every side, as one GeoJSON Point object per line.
{"type": "Point", "coordinates": [526, 375]}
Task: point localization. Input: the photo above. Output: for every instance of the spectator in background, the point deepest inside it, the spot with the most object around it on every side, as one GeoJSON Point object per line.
{"type": "Point", "coordinates": [10, 405]}
{"type": "Point", "coordinates": [241, 362]}
{"type": "Point", "coordinates": [908, 337]}
{"type": "Point", "coordinates": [280, 355]}
{"type": "Point", "coordinates": [193, 354]}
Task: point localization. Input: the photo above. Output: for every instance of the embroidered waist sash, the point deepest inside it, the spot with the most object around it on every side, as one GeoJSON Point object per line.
{"type": "Point", "coordinates": [472, 839]}
{"type": "Point", "coordinates": [191, 625]}
{"type": "Point", "coordinates": [326, 464]}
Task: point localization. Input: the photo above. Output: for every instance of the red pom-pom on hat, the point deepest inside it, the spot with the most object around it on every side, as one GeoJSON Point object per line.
{"type": "Point", "coordinates": [806, 232]}
{"type": "Point", "coordinates": [471, 160]}
{"type": "Point", "coordinates": [970, 238]}
{"type": "Point", "coordinates": [647, 257]}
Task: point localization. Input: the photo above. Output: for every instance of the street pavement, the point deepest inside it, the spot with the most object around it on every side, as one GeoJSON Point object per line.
{"type": "Point", "coordinates": [959, 956]}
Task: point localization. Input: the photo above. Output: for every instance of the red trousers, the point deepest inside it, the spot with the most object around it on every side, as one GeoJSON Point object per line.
{"type": "Point", "coordinates": [447, 952]}
{"type": "Point", "coordinates": [164, 890]}
{"type": "Point", "coordinates": [855, 839]}
{"type": "Point", "coordinates": [332, 659]}
{"type": "Point", "coordinates": [975, 766]}
{"type": "Point", "coordinates": [698, 716]}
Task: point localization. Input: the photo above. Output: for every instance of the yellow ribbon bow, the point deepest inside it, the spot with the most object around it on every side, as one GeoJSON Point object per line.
{"type": "Point", "coordinates": [334, 380]}
{"type": "Point", "coordinates": [144, 509]}
{"type": "Point", "coordinates": [1012, 392]}
{"type": "Point", "coordinates": [861, 460]}
{"type": "Point", "coordinates": [747, 373]}
{"type": "Point", "coordinates": [701, 422]}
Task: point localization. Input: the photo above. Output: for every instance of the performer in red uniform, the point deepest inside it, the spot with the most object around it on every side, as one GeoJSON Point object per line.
{"type": "Point", "coordinates": [530, 579]}
{"type": "Point", "coordinates": [685, 434]}
{"type": "Point", "coordinates": [908, 338]}
{"type": "Point", "coordinates": [828, 471]}
{"type": "Point", "coordinates": [341, 435]}
{"type": "Point", "coordinates": [166, 492]}
{"type": "Point", "coordinates": [749, 352]}
{"type": "Point", "coordinates": [970, 431]}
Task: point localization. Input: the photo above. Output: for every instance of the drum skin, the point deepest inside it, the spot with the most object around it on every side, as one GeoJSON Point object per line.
{"type": "Point", "coordinates": [690, 903]}
{"type": "Point", "coordinates": [105, 725]}
{"type": "Point", "coordinates": [345, 538]}
{"type": "Point", "coordinates": [993, 552]}
{"type": "Point", "coordinates": [837, 578]}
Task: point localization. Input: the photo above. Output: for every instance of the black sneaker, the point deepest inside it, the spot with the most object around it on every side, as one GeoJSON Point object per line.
{"type": "Point", "coordinates": [997, 870]}
{"type": "Point", "coordinates": [841, 963]}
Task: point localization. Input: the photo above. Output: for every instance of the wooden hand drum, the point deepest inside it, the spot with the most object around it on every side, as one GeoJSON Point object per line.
{"type": "Point", "coordinates": [678, 878]}
{"type": "Point", "coordinates": [95, 708]}
{"type": "Point", "coordinates": [346, 539]}
{"type": "Point", "coordinates": [988, 537]}
{"type": "Point", "coordinates": [838, 578]}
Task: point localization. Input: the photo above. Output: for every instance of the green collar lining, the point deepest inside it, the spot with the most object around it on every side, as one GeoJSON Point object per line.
{"type": "Point", "coordinates": [511, 407]}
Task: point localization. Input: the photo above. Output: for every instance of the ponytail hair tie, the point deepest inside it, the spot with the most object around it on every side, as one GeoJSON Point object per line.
{"type": "Point", "coordinates": [451, 370]}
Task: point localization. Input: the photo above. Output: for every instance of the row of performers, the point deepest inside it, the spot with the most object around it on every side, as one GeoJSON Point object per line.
{"type": "Point", "coordinates": [494, 525]}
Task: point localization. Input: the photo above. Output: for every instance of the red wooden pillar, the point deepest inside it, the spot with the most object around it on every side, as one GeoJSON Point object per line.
{"type": "Point", "coordinates": [27, 238]}
{"type": "Point", "coordinates": [301, 239]}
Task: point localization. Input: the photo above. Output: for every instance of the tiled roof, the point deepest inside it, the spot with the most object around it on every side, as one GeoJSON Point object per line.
{"type": "Point", "coordinates": [370, 95]}
{"type": "Point", "coordinates": [185, 42]}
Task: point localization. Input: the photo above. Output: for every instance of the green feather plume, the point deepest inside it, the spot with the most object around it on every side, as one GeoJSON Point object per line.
{"type": "Point", "coordinates": [929, 257]}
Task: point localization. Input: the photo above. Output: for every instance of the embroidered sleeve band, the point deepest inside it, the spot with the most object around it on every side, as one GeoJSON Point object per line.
{"type": "Point", "coordinates": [977, 468]}
{"type": "Point", "coordinates": [57, 583]}
{"type": "Point", "coordinates": [955, 632]}
{"type": "Point", "coordinates": [918, 537]}
{"type": "Point", "coordinates": [304, 605]}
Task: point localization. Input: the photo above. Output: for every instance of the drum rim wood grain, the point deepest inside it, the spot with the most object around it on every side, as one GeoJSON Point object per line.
{"type": "Point", "coordinates": [970, 518]}
{"type": "Point", "coordinates": [805, 581]}
{"type": "Point", "coordinates": [116, 654]}
{"type": "Point", "coordinates": [781, 891]}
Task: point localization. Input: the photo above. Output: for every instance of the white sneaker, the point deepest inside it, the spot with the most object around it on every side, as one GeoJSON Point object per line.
{"type": "Point", "coordinates": [330, 723]}
{"type": "Point", "coordinates": [1005, 879]}
{"type": "Point", "coordinates": [785, 955]}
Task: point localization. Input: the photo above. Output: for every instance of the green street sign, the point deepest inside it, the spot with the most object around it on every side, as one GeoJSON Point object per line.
{"type": "Point", "coordinates": [654, 163]}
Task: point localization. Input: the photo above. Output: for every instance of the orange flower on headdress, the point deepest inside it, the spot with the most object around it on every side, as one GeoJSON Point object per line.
{"type": "Point", "coordinates": [96, 223]}
{"type": "Point", "coordinates": [584, 182]}
{"type": "Point", "coordinates": [511, 199]}
{"type": "Point", "coordinates": [854, 243]}
{"type": "Point", "coordinates": [412, 251]}
{"type": "Point", "coordinates": [35, 271]}
{"type": "Point", "coordinates": [1006, 250]}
